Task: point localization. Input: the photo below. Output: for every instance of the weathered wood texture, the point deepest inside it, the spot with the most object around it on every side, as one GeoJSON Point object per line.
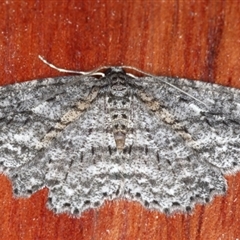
{"type": "Point", "coordinates": [192, 39]}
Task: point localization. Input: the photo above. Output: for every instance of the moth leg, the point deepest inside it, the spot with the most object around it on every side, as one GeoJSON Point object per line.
{"type": "Point", "coordinates": [163, 114]}
{"type": "Point", "coordinates": [69, 117]}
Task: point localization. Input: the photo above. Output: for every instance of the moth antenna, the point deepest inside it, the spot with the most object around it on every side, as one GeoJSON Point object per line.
{"type": "Point", "coordinates": [169, 84]}
{"type": "Point", "coordinates": [94, 72]}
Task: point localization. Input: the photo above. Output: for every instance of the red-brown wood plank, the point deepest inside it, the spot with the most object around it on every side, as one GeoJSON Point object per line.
{"type": "Point", "coordinates": [192, 39]}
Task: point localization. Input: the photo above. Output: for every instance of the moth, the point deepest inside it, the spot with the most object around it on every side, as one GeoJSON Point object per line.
{"type": "Point", "coordinates": [164, 142]}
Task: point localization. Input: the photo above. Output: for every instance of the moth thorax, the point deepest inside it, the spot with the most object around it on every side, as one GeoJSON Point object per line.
{"type": "Point", "coordinates": [119, 87]}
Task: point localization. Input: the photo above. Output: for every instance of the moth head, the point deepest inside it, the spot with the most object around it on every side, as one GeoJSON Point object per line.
{"type": "Point", "coordinates": [118, 80]}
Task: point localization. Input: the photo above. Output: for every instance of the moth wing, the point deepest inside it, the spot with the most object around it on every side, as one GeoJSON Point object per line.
{"type": "Point", "coordinates": [156, 167]}
{"type": "Point", "coordinates": [165, 172]}
{"type": "Point", "coordinates": [80, 163]}
{"type": "Point", "coordinates": [212, 121]}
{"type": "Point", "coordinates": [28, 111]}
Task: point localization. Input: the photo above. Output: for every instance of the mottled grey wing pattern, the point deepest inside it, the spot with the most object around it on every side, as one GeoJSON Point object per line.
{"type": "Point", "coordinates": [202, 142]}
{"type": "Point", "coordinates": [148, 170]}
{"type": "Point", "coordinates": [58, 133]}
{"type": "Point", "coordinates": [214, 127]}
{"type": "Point", "coordinates": [29, 111]}
{"type": "Point", "coordinates": [87, 151]}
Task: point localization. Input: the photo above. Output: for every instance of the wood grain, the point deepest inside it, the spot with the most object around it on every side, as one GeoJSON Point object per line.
{"type": "Point", "coordinates": [192, 39]}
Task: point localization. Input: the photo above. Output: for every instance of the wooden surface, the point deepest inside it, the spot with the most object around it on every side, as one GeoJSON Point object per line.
{"type": "Point", "coordinates": [192, 39]}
